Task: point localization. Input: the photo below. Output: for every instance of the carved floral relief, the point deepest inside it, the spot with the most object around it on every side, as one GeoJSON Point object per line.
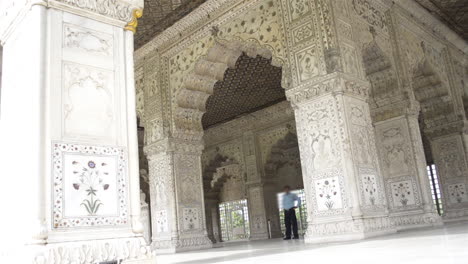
{"type": "Point", "coordinates": [298, 8]}
{"type": "Point", "coordinates": [308, 63]}
{"type": "Point", "coordinates": [89, 41]}
{"type": "Point", "coordinates": [371, 13]}
{"type": "Point", "coordinates": [88, 101]}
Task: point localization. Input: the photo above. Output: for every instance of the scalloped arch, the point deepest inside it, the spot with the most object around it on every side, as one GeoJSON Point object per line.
{"type": "Point", "coordinates": [198, 85]}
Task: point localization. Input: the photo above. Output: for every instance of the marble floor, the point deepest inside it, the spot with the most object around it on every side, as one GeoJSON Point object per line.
{"type": "Point", "coordinates": [444, 245]}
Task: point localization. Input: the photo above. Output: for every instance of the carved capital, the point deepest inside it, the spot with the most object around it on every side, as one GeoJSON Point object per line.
{"type": "Point", "coordinates": [334, 83]}
{"type": "Point", "coordinates": [116, 12]}
{"type": "Point", "coordinates": [456, 127]}
{"type": "Point", "coordinates": [120, 10]}
{"type": "Point", "coordinates": [403, 107]}
{"type": "Point", "coordinates": [174, 145]}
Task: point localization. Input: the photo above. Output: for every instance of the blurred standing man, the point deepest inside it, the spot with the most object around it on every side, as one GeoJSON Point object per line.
{"type": "Point", "coordinates": [289, 206]}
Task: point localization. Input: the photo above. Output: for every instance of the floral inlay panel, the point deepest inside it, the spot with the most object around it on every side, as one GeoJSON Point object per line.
{"type": "Point", "coordinates": [161, 221]}
{"type": "Point", "coordinates": [403, 193]}
{"type": "Point", "coordinates": [369, 189]}
{"type": "Point", "coordinates": [191, 219]}
{"type": "Point", "coordinates": [328, 194]}
{"type": "Point", "coordinates": [89, 186]}
{"type": "Point", "coordinates": [457, 193]}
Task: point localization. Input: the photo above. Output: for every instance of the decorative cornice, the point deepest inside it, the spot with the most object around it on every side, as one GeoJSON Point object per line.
{"type": "Point", "coordinates": [396, 109]}
{"type": "Point", "coordinates": [114, 12]}
{"type": "Point", "coordinates": [429, 21]}
{"type": "Point", "coordinates": [115, 9]}
{"type": "Point", "coordinates": [174, 145]}
{"type": "Point", "coordinates": [97, 251]}
{"type": "Point", "coordinates": [205, 14]}
{"type": "Point", "coordinates": [455, 127]}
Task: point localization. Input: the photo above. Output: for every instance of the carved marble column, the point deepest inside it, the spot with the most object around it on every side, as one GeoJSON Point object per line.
{"type": "Point", "coordinates": [69, 79]}
{"type": "Point", "coordinates": [257, 215]}
{"type": "Point", "coordinates": [270, 190]}
{"type": "Point", "coordinates": [176, 190]}
{"type": "Point", "coordinates": [255, 198]}
{"type": "Point", "coordinates": [212, 219]}
{"type": "Point", "coordinates": [449, 146]}
{"type": "Point", "coordinates": [343, 185]}
{"type": "Point", "coordinates": [145, 218]}
{"type": "Point", "coordinates": [403, 164]}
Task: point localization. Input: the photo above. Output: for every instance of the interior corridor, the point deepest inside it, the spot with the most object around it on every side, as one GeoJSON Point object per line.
{"type": "Point", "coordinates": [444, 245]}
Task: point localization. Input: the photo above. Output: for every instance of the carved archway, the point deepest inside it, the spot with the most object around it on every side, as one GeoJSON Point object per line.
{"type": "Point", "coordinates": [284, 153]}
{"type": "Point", "coordinates": [379, 71]}
{"type": "Point", "coordinates": [199, 84]}
{"type": "Point", "coordinates": [215, 174]}
{"type": "Point", "coordinates": [430, 92]}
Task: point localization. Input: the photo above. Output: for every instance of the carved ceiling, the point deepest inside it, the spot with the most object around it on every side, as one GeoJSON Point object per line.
{"type": "Point", "coordinates": [454, 13]}
{"type": "Point", "coordinates": [161, 14]}
{"type": "Point", "coordinates": [252, 85]}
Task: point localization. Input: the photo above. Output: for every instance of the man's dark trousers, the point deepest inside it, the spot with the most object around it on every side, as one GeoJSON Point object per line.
{"type": "Point", "coordinates": [290, 219]}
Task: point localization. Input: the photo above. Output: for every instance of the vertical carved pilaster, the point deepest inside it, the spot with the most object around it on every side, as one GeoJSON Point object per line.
{"type": "Point", "coordinates": [177, 206]}
{"type": "Point", "coordinates": [343, 184]}
{"type": "Point", "coordinates": [403, 164]}
{"type": "Point", "coordinates": [450, 156]}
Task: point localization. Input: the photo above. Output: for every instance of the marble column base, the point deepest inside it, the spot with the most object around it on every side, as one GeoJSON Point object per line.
{"type": "Point", "coordinates": [348, 230]}
{"type": "Point", "coordinates": [454, 215]}
{"type": "Point", "coordinates": [259, 236]}
{"type": "Point", "coordinates": [175, 245]}
{"type": "Point", "coordinates": [128, 250]}
{"type": "Point", "coordinates": [414, 220]}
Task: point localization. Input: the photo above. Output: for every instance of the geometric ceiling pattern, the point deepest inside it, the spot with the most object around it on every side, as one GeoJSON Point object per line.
{"type": "Point", "coordinates": [159, 15]}
{"type": "Point", "coordinates": [252, 85]}
{"type": "Point", "coordinates": [454, 13]}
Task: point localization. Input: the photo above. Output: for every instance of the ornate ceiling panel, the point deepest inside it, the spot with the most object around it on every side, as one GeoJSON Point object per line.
{"type": "Point", "coordinates": [251, 86]}
{"type": "Point", "coordinates": [161, 14]}
{"type": "Point", "coordinates": [454, 13]}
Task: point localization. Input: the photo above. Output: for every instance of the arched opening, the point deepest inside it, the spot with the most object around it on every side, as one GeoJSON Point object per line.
{"type": "Point", "coordinates": [436, 109]}
{"type": "Point", "coordinates": [283, 167]}
{"type": "Point", "coordinates": [230, 100]}
{"type": "Point", "coordinates": [393, 110]}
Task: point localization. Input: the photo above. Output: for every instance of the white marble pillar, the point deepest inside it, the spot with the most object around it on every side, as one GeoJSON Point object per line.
{"type": "Point", "coordinates": [145, 218]}
{"type": "Point", "coordinates": [176, 190]}
{"type": "Point", "coordinates": [212, 219]}
{"type": "Point", "coordinates": [451, 158]}
{"type": "Point", "coordinates": [343, 185]}
{"type": "Point", "coordinates": [68, 81]}
{"type": "Point", "coordinates": [257, 215]}
{"type": "Point", "coordinates": [403, 164]}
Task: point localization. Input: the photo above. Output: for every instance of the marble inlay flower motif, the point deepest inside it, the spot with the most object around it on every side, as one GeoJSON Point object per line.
{"type": "Point", "coordinates": [89, 186]}
{"type": "Point", "coordinates": [92, 178]}
{"type": "Point", "coordinates": [457, 193]}
{"type": "Point", "coordinates": [327, 190]}
{"type": "Point", "coordinates": [403, 193]}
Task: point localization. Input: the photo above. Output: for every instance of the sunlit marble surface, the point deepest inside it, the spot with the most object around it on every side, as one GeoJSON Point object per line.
{"type": "Point", "coordinates": [445, 245]}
